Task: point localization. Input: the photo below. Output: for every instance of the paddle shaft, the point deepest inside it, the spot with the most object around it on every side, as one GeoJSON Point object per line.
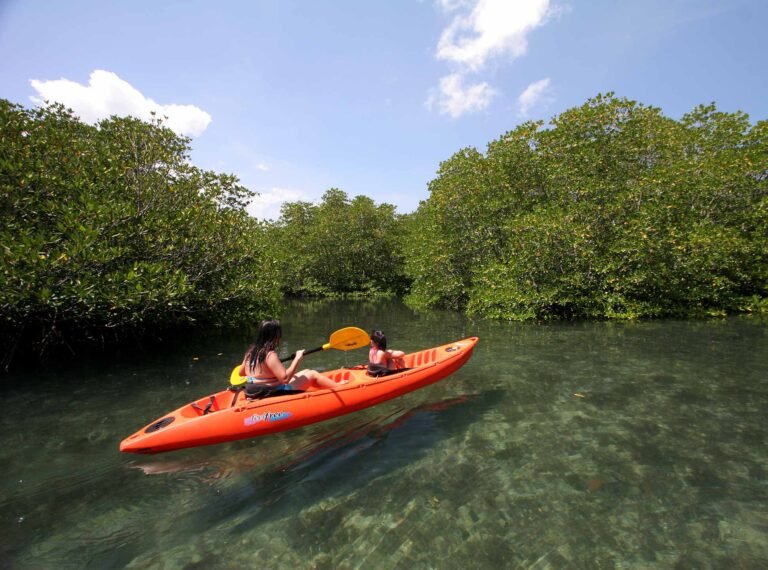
{"type": "Point", "coordinates": [292, 356]}
{"type": "Point", "coordinates": [347, 338]}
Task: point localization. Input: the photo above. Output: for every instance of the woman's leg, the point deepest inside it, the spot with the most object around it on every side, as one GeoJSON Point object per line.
{"type": "Point", "coordinates": [304, 379]}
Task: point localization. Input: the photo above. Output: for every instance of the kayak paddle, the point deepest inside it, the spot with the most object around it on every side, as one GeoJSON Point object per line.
{"type": "Point", "coordinates": [348, 338]}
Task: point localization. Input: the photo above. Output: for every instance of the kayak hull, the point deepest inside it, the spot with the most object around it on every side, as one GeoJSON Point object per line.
{"type": "Point", "coordinates": [231, 416]}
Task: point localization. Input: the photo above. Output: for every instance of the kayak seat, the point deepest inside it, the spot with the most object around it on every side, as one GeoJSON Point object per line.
{"type": "Point", "coordinates": [379, 371]}
{"type": "Point", "coordinates": [268, 393]}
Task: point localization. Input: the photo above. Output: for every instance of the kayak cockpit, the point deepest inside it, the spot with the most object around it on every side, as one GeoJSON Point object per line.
{"type": "Point", "coordinates": [229, 398]}
{"type": "Point", "coordinates": [210, 404]}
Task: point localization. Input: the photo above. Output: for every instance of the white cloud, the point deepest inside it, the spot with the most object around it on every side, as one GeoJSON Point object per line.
{"type": "Point", "coordinates": [455, 99]}
{"type": "Point", "coordinates": [479, 31]}
{"type": "Point", "coordinates": [261, 166]}
{"type": "Point", "coordinates": [267, 204]}
{"type": "Point", "coordinates": [493, 27]}
{"type": "Point", "coordinates": [451, 5]}
{"type": "Point", "coordinates": [106, 94]}
{"type": "Point", "coordinates": [536, 93]}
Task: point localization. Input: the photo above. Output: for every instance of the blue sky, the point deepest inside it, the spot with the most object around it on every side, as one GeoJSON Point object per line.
{"type": "Point", "coordinates": [295, 97]}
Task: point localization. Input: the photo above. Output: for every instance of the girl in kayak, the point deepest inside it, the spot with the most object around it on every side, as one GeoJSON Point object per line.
{"type": "Point", "coordinates": [264, 371]}
{"type": "Point", "coordinates": [380, 360]}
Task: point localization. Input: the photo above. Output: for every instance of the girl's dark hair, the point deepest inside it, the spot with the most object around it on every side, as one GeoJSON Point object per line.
{"type": "Point", "coordinates": [267, 339]}
{"type": "Point", "coordinates": [379, 340]}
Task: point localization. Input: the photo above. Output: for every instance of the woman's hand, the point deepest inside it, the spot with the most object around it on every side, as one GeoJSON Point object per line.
{"type": "Point", "coordinates": [299, 354]}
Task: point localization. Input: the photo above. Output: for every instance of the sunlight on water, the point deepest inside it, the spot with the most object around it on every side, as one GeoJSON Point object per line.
{"type": "Point", "coordinates": [587, 445]}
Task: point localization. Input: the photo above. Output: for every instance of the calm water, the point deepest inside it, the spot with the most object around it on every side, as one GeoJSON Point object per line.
{"type": "Point", "coordinates": [591, 445]}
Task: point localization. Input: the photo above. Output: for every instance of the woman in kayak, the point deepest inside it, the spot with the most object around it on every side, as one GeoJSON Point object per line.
{"type": "Point", "coordinates": [380, 360]}
{"type": "Point", "coordinates": [264, 371]}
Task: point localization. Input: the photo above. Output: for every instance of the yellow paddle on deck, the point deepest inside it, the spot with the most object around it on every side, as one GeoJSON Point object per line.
{"type": "Point", "coordinates": [348, 338]}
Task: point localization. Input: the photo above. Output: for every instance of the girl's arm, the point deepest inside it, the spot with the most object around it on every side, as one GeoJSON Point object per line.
{"type": "Point", "coordinates": [396, 359]}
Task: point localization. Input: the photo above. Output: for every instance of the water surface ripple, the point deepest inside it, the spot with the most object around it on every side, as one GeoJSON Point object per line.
{"type": "Point", "coordinates": [577, 445]}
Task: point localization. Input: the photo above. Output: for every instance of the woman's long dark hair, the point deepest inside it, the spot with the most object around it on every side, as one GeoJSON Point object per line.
{"type": "Point", "coordinates": [267, 340]}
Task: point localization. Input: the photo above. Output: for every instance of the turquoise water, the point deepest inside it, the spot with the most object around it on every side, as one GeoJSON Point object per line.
{"type": "Point", "coordinates": [587, 445]}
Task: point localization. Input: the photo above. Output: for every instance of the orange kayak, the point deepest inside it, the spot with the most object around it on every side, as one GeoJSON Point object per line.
{"type": "Point", "coordinates": [228, 415]}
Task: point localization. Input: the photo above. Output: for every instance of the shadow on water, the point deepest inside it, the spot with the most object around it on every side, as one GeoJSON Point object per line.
{"type": "Point", "coordinates": [342, 464]}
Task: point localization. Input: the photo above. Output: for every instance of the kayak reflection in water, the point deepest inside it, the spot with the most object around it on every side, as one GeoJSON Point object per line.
{"type": "Point", "coordinates": [266, 374]}
{"type": "Point", "coordinates": [380, 360]}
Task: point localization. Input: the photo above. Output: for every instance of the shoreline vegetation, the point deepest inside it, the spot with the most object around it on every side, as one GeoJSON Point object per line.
{"type": "Point", "coordinates": [610, 211]}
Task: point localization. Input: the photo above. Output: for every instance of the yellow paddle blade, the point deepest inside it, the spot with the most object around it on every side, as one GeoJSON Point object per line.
{"type": "Point", "coordinates": [235, 379]}
{"type": "Point", "coordinates": [348, 338]}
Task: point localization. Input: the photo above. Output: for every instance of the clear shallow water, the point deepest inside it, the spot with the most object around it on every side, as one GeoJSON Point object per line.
{"type": "Point", "coordinates": [588, 445]}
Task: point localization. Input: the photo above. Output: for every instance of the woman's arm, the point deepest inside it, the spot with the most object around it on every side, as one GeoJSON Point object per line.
{"type": "Point", "coordinates": [282, 374]}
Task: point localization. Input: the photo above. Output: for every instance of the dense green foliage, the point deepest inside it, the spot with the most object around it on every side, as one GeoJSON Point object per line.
{"type": "Point", "coordinates": [339, 247]}
{"type": "Point", "coordinates": [615, 211]}
{"type": "Point", "coordinates": [108, 231]}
